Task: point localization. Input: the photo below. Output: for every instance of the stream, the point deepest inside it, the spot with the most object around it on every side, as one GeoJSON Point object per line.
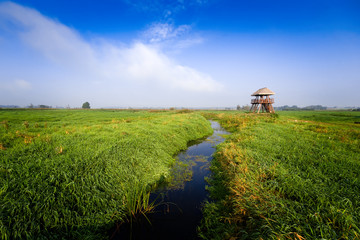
{"type": "Point", "coordinates": [179, 210]}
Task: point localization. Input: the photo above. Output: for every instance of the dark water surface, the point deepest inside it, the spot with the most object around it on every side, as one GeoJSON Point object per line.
{"type": "Point", "coordinates": [179, 211]}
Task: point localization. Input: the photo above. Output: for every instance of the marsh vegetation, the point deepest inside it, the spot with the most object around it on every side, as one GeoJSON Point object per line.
{"type": "Point", "coordinates": [289, 176]}
{"type": "Point", "coordinates": [76, 173]}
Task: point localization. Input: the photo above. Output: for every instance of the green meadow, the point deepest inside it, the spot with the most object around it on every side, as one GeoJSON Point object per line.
{"type": "Point", "coordinates": [292, 175]}
{"type": "Point", "coordinates": [72, 174]}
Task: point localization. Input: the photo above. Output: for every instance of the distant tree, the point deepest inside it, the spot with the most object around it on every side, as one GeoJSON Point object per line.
{"type": "Point", "coordinates": [44, 106]}
{"type": "Point", "coordinates": [314, 107]}
{"type": "Point", "coordinates": [86, 105]}
{"type": "Point", "coordinates": [31, 105]}
{"type": "Point", "coordinates": [246, 107]}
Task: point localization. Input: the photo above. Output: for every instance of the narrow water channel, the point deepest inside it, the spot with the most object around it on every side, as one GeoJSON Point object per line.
{"type": "Point", "coordinates": [179, 212]}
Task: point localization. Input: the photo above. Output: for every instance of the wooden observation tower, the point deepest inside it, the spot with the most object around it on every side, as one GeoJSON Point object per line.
{"type": "Point", "coordinates": [262, 101]}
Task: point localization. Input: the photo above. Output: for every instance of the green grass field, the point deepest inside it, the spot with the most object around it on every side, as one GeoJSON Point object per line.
{"type": "Point", "coordinates": [73, 173]}
{"type": "Point", "coordinates": [295, 175]}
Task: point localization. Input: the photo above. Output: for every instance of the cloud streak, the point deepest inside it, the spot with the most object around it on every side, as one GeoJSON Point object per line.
{"type": "Point", "coordinates": [104, 61]}
{"type": "Point", "coordinates": [159, 32]}
{"type": "Point", "coordinates": [164, 7]}
{"type": "Point", "coordinates": [22, 84]}
{"type": "Point", "coordinates": [17, 85]}
{"type": "Point", "coordinates": [167, 36]}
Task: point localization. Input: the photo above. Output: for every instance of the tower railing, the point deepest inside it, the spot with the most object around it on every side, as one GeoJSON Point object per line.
{"type": "Point", "coordinates": [264, 100]}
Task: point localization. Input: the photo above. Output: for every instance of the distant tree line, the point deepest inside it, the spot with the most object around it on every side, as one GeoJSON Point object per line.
{"type": "Point", "coordinates": [39, 106]}
{"type": "Point", "coordinates": [294, 107]}
{"type": "Point", "coordinates": [85, 105]}
{"type": "Point", "coordinates": [243, 108]}
{"type": "Point", "coordinates": [9, 106]}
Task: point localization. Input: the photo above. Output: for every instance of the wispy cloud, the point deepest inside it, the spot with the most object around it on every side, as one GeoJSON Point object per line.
{"type": "Point", "coordinates": [158, 32]}
{"type": "Point", "coordinates": [166, 9]}
{"type": "Point", "coordinates": [54, 40]}
{"type": "Point", "coordinates": [167, 35]}
{"type": "Point", "coordinates": [105, 61]}
{"type": "Point", "coordinates": [17, 85]}
{"type": "Point", "coordinates": [22, 84]}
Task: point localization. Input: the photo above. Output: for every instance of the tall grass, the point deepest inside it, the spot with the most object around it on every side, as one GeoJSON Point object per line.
{"type": "Point", "coordinates": [72, 174]}
{"type": "Point", "coordinates": [285, 178]}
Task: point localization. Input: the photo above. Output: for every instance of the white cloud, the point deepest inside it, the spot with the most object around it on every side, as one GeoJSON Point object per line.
{"type": "Point", "coordinates": [168, 36]}
{"type": "Point", "coordinates": [158, 32]}
{"type": "Point", "coordinates": [104, 62]}
{"type": "Point", "coordinates": [22, 84]}
{"type": "Point", "coordinates": [15, 86]}
{"type": "Point", "coordinates": [54, 40]}
{"type": "Point", "coordinates": [147, 64]}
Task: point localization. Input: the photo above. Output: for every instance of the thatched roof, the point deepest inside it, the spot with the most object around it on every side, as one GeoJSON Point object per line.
{"type": "Point", "coordinates": [263, 92]}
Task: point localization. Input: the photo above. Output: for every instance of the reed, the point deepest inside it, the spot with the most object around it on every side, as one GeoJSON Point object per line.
{"type": "Point", "coordinates": [136, 201]}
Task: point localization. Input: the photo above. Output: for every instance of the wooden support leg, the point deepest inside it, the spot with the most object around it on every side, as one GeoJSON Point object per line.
{"type": "Point", "coordinates": [260, 105]}
{"type": "Point", "coordinates": [254, 107]}
{"type": "Point", "coordinates": [272, 108]}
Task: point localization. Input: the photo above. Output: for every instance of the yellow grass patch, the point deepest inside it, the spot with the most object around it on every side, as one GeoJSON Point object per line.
{"type": "Point", "coordinates": [2, 147]}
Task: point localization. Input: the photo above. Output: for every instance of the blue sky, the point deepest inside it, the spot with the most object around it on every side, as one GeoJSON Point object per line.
{"type": "Point", "coordinates": [185, 53]}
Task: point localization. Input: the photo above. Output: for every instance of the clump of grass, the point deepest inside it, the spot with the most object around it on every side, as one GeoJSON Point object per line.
{"type": "Point", "coordinates": [184, 111]}
{"type": "Point", "coordinates": [136, 201]}
{"type": "Point", "coordinates": [5, 124]}
{"type": "Point", "coordinates": [26, 124]}
{"type": "Point", "coordinates": [2, 147]}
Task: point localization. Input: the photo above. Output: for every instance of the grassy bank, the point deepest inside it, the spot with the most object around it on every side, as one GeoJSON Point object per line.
{"type": "Point", "coordinates": [291, 176]}
{"type": "Point", "coordinates": [73, 173]}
